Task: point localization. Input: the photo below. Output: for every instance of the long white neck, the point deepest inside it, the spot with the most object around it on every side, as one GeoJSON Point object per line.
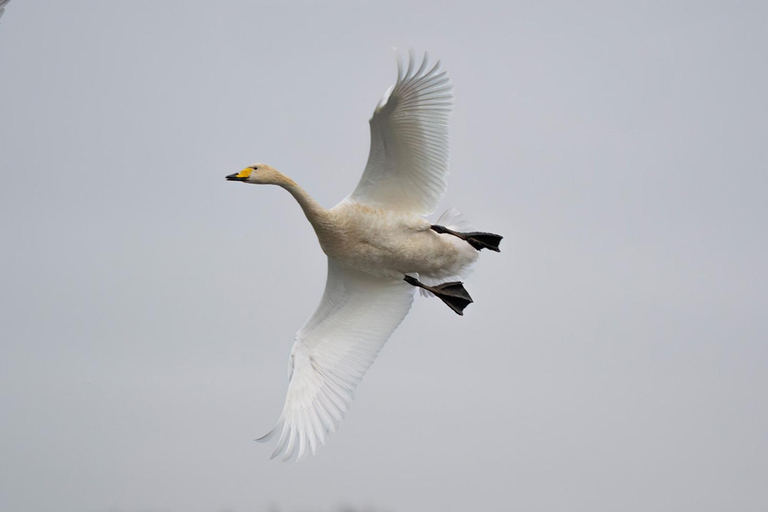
{"type": "Point", "coordinates": [316, 214]}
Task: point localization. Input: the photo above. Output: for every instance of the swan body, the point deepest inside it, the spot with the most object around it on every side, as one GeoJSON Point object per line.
{"type": "Point", "coordinates": [390, 244]}
{"type": "Point", "coordinates": [380, 248]}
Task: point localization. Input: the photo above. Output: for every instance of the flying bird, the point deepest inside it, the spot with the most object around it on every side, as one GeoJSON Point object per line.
{"type": "Point", "coordinates": [380, 249]}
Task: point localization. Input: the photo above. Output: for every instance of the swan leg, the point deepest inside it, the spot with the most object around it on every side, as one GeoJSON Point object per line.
{"type": "Point", "coordinates": [477, 239]}
{"type": "Point", "coordinates": [453, 294]}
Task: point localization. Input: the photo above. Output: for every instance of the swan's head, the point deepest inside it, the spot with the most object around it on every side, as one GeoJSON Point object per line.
{"type": "Point", "coordinates": [259, 174]}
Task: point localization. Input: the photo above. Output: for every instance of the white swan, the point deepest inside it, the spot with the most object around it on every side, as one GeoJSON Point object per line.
{"type": "Point", "coordinates": [379, 249]}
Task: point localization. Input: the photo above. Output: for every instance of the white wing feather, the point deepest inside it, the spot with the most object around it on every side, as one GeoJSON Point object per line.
{"type": "Point", "coordinates": [3, 3]}
{"type": "Point", "coordinates": [408, 163]}
{"type": "Point", "coordinates": [332, 352]}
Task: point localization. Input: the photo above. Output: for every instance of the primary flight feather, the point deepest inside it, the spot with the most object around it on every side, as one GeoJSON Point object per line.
{"type": "Point", "coordinates": [380, 248]}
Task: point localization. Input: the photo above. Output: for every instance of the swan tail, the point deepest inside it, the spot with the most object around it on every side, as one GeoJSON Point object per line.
{"type": "Point", "coordinates": [454, 220]}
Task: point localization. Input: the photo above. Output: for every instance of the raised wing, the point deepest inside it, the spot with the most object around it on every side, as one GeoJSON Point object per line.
{"type": "Point", "coordinates": [3, 3]}
{"type": "Point", "coordinates": [408, 163]}
{"type": "Point", "coordinates": [332, 352]}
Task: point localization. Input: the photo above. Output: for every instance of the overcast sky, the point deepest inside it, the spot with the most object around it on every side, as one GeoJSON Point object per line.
{"type": "Point", "coordinates": [616, 355]}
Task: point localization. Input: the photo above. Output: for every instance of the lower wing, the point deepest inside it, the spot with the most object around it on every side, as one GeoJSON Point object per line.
{"type": "Point", "coordinates": [332, 352]}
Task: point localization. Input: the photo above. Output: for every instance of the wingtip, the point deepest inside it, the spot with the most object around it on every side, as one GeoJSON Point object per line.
{"type": "Point", "coordinates": [269, 435]}
{"type": "Point", "coordinates": [411, 63]}
{"type": "Point", "coordinates": [399, 62]}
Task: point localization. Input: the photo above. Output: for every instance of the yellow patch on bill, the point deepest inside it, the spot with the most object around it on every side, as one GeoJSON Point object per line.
{"type": "Point", "coordinates": [244, 173]}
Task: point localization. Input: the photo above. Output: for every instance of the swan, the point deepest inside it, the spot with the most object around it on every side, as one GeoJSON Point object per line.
{"type": "Point", "coordinates": [380, 248]}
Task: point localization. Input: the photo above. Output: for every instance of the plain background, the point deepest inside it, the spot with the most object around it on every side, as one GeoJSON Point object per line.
{"type": "Point", "coordinates": [615, 357]}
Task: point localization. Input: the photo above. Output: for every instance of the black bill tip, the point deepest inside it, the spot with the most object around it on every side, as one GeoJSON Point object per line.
{"type": "Point", "coordinates": [234, 177]}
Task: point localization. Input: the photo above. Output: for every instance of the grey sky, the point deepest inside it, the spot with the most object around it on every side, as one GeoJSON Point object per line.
{"type": "Point", "coordinates": [615, 357]}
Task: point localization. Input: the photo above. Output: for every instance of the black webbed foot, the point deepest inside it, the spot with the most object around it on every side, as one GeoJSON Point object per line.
{"type": "Point", "coordinates": [477, 239]}
{"type": "Point", "coordinates": [453, 294]}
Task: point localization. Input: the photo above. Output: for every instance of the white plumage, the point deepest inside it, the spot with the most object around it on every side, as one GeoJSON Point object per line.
{"type": "Point", "coordinates": [378, 246]}
{"type": "Point", "coordinates": [407, 166]}
{"type": "Point", "coordinates": [332, 352]}
{"type": "Point", "coordinates": [3, 3]}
